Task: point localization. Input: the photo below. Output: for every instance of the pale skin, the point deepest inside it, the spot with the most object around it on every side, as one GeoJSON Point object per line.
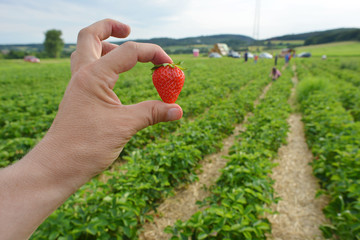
{"type": "Point", "coordinates": [87, 134]}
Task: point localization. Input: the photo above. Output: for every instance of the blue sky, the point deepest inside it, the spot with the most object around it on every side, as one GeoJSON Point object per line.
{"type": "Point", "coordinates": [26, 21]}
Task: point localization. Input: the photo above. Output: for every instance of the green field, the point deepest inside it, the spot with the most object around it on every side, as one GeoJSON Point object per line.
{"type": "Point", "coordinates": [338, 49]}
{"type": "Point", "coordinates": [285, 42]}
{"type": "Point", "coordinates": [159, 160]}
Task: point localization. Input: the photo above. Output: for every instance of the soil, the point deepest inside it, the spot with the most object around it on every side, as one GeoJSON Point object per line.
{"type": "Point", "coordinates": [299, 212]}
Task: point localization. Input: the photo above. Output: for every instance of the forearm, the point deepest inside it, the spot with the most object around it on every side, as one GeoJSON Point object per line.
{"type": "Point", "coordinates": [30, 190]}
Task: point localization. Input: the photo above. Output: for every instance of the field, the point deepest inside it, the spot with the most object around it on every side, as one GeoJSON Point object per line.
{"type": "Point", "coordinates": [285, 42]}
{"type": "Point", "coordinates": [337, 49]}
{"type": "Point", "coordinates": [225, 169]}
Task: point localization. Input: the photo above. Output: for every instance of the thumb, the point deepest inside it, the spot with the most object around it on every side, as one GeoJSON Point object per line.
{"type": "Point", "coordinates": [152, 112]}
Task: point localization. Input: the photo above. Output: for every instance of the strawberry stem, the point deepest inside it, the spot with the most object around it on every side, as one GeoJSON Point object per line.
{"type": "Point", "coordinates": [172, 65]}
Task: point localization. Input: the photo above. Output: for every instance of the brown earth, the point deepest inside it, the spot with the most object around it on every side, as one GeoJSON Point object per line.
{"type": "Point", "coordinates": [299, 212]}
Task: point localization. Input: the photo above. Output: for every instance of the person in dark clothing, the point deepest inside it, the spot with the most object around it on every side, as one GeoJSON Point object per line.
{"type": "Point", "coordinates": [246, 56]}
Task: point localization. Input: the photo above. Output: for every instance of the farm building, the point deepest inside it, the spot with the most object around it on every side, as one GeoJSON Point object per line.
{"type": "Point", "coordinates": [220, 48]}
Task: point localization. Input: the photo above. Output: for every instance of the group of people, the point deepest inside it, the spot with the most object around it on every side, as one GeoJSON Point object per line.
{"type": "Point", "coordinates": [256, 57]}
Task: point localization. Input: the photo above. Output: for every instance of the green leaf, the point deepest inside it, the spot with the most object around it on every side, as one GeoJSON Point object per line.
{"type": "Point", "coordinates": [91, 230]}
{"type": "Point", "coordinates": [202, 235]}
{"type": "Point", "coordinates": [247, 235]}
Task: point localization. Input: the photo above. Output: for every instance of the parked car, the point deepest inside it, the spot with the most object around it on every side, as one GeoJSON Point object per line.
{"type": "Point", "coordinates": [250, 55]}
{"type": "Point", "coordinates": [214, 55]}
{"type": "Point", "coordinates": [234, 54]}
{"type": "Point", "coordinates": [304, 55]}
{"type": "Point", "coordinates": [265, 55]}
{"type": "Point", "coordinates": [32, 59]}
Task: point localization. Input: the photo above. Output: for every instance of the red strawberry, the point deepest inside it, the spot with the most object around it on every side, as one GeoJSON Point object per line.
{"type": "Point", "coordinates": [168, 79]}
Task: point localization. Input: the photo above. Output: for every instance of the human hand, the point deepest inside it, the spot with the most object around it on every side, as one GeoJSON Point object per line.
{"type": "Point", "coordinates": [88, 132]}
{"type": "Point", "coordinates": [92, 126]}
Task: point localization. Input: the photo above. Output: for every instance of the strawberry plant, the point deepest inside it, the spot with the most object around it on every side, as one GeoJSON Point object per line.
{"type": "Point", "coordinates": [164, 163]}
{"type": "Point", "coordinates": [334, 138]}
{"type": "Point", "coordinates": [236, 208]}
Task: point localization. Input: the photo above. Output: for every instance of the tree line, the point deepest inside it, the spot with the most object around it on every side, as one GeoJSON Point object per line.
{"type": "Point", "coordinates": [334, 36]}
{"type": "Point", "coordinates": [52, 48]}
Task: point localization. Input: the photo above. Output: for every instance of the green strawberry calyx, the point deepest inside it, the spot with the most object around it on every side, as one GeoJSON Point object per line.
{"type": "Point", "coordinates": [172, 65]}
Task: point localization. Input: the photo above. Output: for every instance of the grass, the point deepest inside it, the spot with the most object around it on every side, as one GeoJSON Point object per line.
{"type": "Point", "coordinates": [285, 42]}
{"type": "Point", "coordinates": [332, 49]}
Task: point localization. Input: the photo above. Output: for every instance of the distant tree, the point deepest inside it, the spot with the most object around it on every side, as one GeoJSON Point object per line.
{"type": "Point", "coordinates": [16, 54]}
{"type": "Point", "coordinates": [53, 44]}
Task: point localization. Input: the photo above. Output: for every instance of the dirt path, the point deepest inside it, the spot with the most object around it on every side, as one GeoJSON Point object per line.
{"type": "Point", "coordinates": [183, 204]}
{"type": "Point", "coordinates": [300, 215]}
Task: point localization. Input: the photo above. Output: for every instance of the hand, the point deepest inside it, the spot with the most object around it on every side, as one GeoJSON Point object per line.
{"type": "Point", "coordinates": [92, 123]}
{"type": "Point", "coordinates": [88, 133]}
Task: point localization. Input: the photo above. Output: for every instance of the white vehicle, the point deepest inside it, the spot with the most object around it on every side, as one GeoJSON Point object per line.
{"type": "Point", "coordinates": [250, 55]}
{"type": "Point", "coordinates": [265, 55]}
{"type": "Point", "coordinates": [234, 54]}
{"type": "Point", "coordinates": [214, 55]}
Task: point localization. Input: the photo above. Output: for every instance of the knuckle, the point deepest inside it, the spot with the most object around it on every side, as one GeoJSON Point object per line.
{"type": "Point", "coordinates": [73, 55]}
{"type": "Point", "coordinates": [108, 20]}
{"type": "Point", "coordinates": [131, 45]}
{"type": "Point", "coordinates": [84, 32]}
{"type": "Point", "coordinates": [154, 115]}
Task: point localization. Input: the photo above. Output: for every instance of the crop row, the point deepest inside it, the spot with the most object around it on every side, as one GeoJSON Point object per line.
{"type": "Point", "coordinates": [25, 112]}
{"type": "Point", "coordinates": [347, 93]}
{"type": "Point", "coordinates": [243, 193]}
{"type": "Point", "coordinates": [118, 208]}
{"type": "Point", "coordinates": [334, 139]}
{"type": "Point", "coordinates": [201, 91]}
{"type": "Point", "coordinates": [31, 94]}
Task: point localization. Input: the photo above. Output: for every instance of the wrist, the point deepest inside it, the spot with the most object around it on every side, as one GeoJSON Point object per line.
{"type": "Point", "coordinates": [32, 188]}
{"type": "Point", "coordinates": [59, 163]}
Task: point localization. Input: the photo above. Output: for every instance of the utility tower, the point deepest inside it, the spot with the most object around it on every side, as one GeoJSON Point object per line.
{"type": "Point", "coordinates": [256, 20]}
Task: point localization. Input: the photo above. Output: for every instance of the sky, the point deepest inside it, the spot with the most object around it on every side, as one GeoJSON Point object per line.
{"type": "Point", "coordinates": [26, 21]}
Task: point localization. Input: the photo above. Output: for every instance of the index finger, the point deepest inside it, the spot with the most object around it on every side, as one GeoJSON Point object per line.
{"type": "Point", "coordinates": [125, 57]}
{"type": "Point", "coordinates": [89, 46]}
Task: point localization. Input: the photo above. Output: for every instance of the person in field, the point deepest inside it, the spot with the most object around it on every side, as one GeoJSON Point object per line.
{"type": "Point", "coordinates": [275, 73]}
{"type": "Point", "coordinates": [91, 116]}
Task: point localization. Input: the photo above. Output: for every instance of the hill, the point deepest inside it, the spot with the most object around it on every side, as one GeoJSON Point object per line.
{"type": "Point", "coordinates": [229, 39]}
{"type": "Point", "coordinates": [205, 43]}
{"type": "Point", "coordinates": [317, 37]}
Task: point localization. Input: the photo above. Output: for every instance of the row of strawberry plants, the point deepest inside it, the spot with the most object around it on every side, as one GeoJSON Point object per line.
{"type": "Point", "coordinates": [26, 114]}
{"type": "Point", "coordinates": [348, 94]}
{"type": "Point", "coordinates": [205, 90]}
{"type": "Point", "coordinates": [334, 139]}
{"type": "Point", "coordinates": [30, 101]}
{"type": "Point", "coordinates": [118, 208]}
{"type": "Point", "coordinates": [242, 194]}
{"type": "Point", "coordinates": [347, 69]}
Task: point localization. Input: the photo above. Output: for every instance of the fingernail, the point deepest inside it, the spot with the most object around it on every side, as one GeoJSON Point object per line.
{"type": "Point", "coordinates": [174, 114]}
